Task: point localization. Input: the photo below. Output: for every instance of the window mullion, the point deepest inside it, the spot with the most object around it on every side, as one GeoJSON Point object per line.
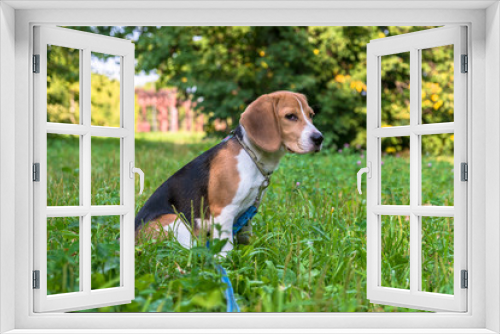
{"type": "Point", "coordinates": [81, 180]}
{"type": "Point", "coordinates": [414, 171]}
{"type": "Point", "coordinates": [419, 210]}
{"type": "Point", "coordinates": [397, 131]}
{"type": "Point", "coordinates": [433, 129]}
{"type": "Point", "coordinates": [85, 158]}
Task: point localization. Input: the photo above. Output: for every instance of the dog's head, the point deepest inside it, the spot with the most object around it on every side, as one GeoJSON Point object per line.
{"type": "Point", "coordinates": [282, 120]}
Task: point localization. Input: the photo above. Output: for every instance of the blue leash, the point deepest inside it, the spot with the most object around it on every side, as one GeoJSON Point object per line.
{"type": "Point", "coordinates": [232, 305]}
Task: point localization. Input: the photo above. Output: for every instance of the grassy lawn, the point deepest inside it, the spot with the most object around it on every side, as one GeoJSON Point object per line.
{"type": "Point", "coordinates": [309, 249]}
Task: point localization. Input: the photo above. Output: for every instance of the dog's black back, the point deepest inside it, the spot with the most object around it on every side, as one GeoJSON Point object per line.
{"type": "Point", "coordinates": [182, 192]}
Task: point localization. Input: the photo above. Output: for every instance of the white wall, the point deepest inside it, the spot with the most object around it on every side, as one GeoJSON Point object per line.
{"type": "Point", "coordinates": [7, 160]}
{"type": "Point", "coordinates": [492, 164]}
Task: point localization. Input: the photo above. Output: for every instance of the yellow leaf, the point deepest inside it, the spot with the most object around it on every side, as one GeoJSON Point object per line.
{"type": "Point", "coordinates": [264, 64]}
{"type": "Point", "coordinates": [262, 53]}
{"type": "Point", "coordinates": [316, 52]}
{"type": "Point", "coordinates": [434, 97]}
{"type": "Point", "coordinates": [359, 86]}
{"type": "Point", "coordinates": [340, 78]}
{"type": "Point", "coordinates": [437, 105]}
{"type": "Point", "coordinates": [184, 79]}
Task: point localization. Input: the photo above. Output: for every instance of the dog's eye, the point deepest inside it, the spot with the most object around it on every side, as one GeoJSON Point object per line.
{"type": "Point", "coordinates": [291, 117]}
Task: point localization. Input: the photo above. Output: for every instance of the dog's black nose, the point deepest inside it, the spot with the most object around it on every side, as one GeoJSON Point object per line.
{"type": "Point", "coordinates": [317, 138]}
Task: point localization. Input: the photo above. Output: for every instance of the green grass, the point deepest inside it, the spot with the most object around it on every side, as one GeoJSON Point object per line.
{"type": "Point", "coordinates": [309, 249]}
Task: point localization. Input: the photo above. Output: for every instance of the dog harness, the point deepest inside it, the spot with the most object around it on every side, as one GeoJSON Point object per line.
{"type": "Point", "coordinates": [259, 166]}
{"type": "Point", "coordinates": [246, 216]}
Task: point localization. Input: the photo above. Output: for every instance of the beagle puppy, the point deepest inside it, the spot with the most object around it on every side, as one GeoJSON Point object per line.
{"type": "Point", "coordinates": [223, 182]}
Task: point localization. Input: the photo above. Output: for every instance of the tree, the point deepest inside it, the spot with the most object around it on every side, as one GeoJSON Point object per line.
{"type": "Point", "coordinates": [63, 90]}
{"type": "Point", "coordinates": [225, 68]}
{"type": "Point", "coordinates": [63, 85]}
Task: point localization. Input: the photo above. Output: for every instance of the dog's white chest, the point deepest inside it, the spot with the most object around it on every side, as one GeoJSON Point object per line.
{"type": "Point", "coordinates": [250, 181]}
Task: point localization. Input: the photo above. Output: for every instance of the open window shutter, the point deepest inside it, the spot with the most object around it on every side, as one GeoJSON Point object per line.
{"type": "Point", "coordinates": [75, 223]}
{"type": "Point", "coordinates": [410, 216]}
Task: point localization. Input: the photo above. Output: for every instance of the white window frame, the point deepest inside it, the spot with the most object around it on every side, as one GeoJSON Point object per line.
{"type": "Point", "coordinates": [413, 43]}
{"type": "Point", "coordinates": [85, 297]}
{"type": "Point", "coordinates": [483, 134]}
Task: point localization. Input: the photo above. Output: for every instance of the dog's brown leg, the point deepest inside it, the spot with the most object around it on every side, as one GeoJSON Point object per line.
{"type": "Point", "coordinates": [154, 229]}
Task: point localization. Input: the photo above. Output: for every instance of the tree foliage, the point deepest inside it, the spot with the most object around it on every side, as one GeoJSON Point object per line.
{"type": "Point", "coordinates": [63, 90]}
{"type": "Point", "coordinates": [63, 85]}
{"type": "Point", "coordinates": [226, 68]}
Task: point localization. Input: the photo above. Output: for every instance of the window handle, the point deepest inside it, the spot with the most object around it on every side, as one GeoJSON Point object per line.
{"type": "Point", "coordinates": [134, 170]}
{"type": "Point", "coordinates": [367, 170]}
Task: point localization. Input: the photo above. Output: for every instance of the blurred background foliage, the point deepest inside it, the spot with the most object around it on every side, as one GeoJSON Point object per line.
{"type": "Point", "coordinates": [63, 85]}
{"type": "Point", "coordinates": [105, 104]}
{"type": "Point", "coordinates": [63, 89]}
{"type": "Point", "coordinates": [226, 68]}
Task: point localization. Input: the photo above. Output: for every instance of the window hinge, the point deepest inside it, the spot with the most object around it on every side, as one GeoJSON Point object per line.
{"type": "Point", "coordinates": [465, 279]}
{"type": "Point", "coordinates": [36, 172]}
{"type": "Point", "coordinates": [36, 63]}
{"type": "Point", "coordinates": [464, 171]}
{"type": "Point", "coordinates": [465, 64]}
{"type": "Point", "coordinates": [36, 279]}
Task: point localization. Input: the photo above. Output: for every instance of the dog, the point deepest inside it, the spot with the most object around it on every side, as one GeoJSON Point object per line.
{"type": "Point", "coordinates": [223, 182]}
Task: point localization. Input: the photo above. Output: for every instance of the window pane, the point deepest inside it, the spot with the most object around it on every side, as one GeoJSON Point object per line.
{"type": "Point", "coordinates": [63, 170]}
{"type": "Point", "coordinates": [105, 90]}
{"type": "Point", "coordinates": [395, 170]}
{"type": "Point", "coordinates": [395, 89]}
{"type": "Point", "coordinates": [105, 171]}
{"type": "Point", "coordinates": [63, 255]}
{"type": "Point", "coordinates": [63, 84]}
{"type": "Point", "coordinates": [395, 261]}
{"type": "Point", "coordinates": [105, 252]}
{"type": "Point", "coordinates": [437, 169]}
{"type": "Point", "coordinates": [437, 254]}
{"type": "Point", "coordinates": [437, 84]}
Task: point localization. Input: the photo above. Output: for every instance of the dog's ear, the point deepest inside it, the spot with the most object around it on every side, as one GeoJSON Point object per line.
{"type": "Point", "coordinates": [260, 121]}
